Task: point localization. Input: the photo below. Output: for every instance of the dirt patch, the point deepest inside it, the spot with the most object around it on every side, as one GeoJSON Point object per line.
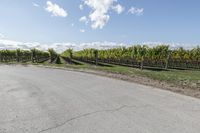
{"type": "Point", "coordinates": [150, 82]}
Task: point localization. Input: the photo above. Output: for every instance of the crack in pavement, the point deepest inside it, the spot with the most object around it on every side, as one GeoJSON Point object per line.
{"type": "Point", "coordinates": [88, 114]}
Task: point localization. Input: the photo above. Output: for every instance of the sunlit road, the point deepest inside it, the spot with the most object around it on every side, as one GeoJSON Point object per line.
{"type": "Point", "coordinates": [43, 100]}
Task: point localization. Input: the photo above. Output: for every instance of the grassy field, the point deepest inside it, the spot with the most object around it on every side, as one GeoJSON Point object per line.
{"type": "Point", "coordinates": [183, 78]}
{"type": "Point", "coordinates": [186, 79]}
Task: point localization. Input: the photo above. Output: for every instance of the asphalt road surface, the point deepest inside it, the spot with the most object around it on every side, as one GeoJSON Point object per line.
{"type": "Point", "coordinates": [43, 100]}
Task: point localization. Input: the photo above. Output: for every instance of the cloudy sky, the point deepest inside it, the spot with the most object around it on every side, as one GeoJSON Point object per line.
{"type": "Point", "coordinates": [112, 22]}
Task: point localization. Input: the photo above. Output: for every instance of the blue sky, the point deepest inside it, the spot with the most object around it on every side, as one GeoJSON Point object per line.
{"type": "Point", "coordinates": [122, 21]}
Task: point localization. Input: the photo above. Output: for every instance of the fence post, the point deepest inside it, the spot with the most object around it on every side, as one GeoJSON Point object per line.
{"type": "Point", "coordinates": [96, 56]}
{"type": "Point", "coordinates": [142, 63]}
{"type": "Point", "coordinates": [167, 61]}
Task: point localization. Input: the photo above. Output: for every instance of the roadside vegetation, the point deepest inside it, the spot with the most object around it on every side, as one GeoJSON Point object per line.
{"type": "Point", "coordinates": [177, 67]}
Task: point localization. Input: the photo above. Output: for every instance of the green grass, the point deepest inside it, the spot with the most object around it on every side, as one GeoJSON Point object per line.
{"type": "Point", "coordinates": [183, 78]}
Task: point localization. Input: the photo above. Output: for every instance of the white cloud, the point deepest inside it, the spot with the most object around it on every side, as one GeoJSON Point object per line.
{"type": "Point", "coordinates": [72, 24]}
{"type": "Point", "coordinates": [82, 30]}
{"type": "Point", "coordinates": [100, 45]}
{"type": "Point", "coordinates": [118, 8]}
{"type": "Point", "coordinates": [10, 44]}
{"type": "Point", "coordinates": [55, 9]}
{"type": "Point", "coordinates": [99, 14]}
{"type": "Point", "coordinates": [35, 4]}
{"type": "Point", "coordinates": [136, 11]}
{"type": "Point", "coordinates": [84, 20]}
{"type": "Point", "coordinates": [81, 7]}
{"type": "Point", "coordinates": [60, 47]}
{"type": "Point", "coordinates": [172, 45]}
{"type": "Point", "coordinates": [100, 9]}
{"type": "Point", "coordinates": [1, 36]}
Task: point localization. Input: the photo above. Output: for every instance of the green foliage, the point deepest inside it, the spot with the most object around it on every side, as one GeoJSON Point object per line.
{"type": "Point", "coordinates": [58, 60]}
{"type": "Point", "coordinates": [23, 55]}
{"type": "Point", "coordinates": [39, 55]}
{"type": "Point", "coordinates": [138, 55]}
{"type": "Point", "coordinates": [53, 54]}
{"type": "Point", "coordinates": [159, 55]}
{"type": "Point", "coordinates": [68, 53]}
{"type": "Point", "coordinates": [137, 52]}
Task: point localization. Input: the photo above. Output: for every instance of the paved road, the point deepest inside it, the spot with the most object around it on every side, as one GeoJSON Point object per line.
{"type": "Point", "coordinates": [41, 100]}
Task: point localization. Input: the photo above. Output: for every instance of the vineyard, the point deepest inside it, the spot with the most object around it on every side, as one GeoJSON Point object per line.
{"type": "Point", "coordinates": [159, 57]}
{"type": "Point", "coordinates": [33, 55]}
{"type": "Point", "coordinates": [143, 57]}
